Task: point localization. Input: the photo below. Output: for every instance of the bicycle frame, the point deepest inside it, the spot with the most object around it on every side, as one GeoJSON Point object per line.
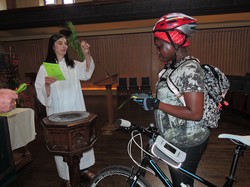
{"type": "Point", "coordinates": [239, 151]}
{"type": "Point", "coordinates": [148, 161]}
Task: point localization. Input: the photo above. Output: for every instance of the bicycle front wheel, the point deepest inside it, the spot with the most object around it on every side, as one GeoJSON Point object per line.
{"type": "Point", "coordinates": [115, 176]}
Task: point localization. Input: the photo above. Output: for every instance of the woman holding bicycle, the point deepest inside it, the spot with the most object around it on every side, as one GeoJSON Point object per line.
{"type": "Point", "coordinates": [181, 124]}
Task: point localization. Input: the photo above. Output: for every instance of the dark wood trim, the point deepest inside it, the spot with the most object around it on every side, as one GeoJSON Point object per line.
{"type": "Point", "coordinates": [113, 11]}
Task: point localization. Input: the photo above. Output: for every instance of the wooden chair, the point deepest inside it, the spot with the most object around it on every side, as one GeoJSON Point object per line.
{"type": "Point", "coordinates": [122, 88]}
{"type": "Point", "coordinates": [145, 85]}
{"type": "Point", "coordinates": [240, 98]}
{"type": "Point", "coordinates": [133, 86]}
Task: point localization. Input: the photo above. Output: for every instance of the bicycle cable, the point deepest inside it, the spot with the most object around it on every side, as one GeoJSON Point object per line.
{"type": "Point", "coordinates": [129, 149]}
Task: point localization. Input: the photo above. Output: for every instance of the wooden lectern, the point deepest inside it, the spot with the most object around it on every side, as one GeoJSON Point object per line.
{"type": "Point", "coordinates": [69, 134]}
{"type": "Point", "coordinates": [108, 82]}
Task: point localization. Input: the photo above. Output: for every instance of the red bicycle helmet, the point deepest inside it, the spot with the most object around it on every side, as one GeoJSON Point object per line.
{"type": "Point", "coordinates": [176, 21]}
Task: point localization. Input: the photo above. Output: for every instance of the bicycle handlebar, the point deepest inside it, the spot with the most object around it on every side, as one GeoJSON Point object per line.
{"type": "Point", "coordinates": [150, 131]}
{"type": "Point", "coordinates": [123, 123]}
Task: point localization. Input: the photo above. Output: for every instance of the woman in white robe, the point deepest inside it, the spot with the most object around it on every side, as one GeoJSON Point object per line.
{"type": "Point", "coordinates": [65, 95]}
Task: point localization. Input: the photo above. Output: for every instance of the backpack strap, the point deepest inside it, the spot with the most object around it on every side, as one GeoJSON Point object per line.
{"type": "Point", "coordinates": [175, 90]}
{"type": "Point", "coordinates": [212, 70]}
{"type": "Point", "coordinates": [215, 74]}
{"type": "Point", "coordinates": [171, 85]}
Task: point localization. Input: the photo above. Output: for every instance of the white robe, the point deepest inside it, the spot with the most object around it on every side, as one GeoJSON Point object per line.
{"type": "Point", "coordinates": [66, 95]}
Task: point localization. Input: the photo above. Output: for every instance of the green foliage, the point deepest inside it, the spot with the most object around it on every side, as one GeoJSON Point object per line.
{"type": "Point", "coordinates": [11, 78]}
{"type": "Point", "coordinates": [73, 40]}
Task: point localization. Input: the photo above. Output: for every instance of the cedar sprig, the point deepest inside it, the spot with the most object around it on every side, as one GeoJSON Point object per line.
{"type": "Point", "coordinates": [73, 40]}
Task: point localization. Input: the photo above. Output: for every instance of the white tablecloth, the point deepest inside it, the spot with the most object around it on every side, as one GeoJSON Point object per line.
{"type": "Point", "coordinates": [21, 124]}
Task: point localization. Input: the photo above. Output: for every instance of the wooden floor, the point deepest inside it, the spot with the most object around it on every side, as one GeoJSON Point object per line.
{"type": "Point", "coordinates": [111, 149]}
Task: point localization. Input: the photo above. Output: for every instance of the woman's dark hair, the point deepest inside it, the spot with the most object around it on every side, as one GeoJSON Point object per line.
{"type": "Point", "coordinates": [51, 56]}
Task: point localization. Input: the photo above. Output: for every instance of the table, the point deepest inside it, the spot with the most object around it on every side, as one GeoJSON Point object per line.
{"type": "Point", "coordinates": [21, 125]}
{"type": "Point", "coordinates": [7, 165]}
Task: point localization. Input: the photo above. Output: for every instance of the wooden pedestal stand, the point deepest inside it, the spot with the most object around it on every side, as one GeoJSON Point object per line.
{"type": "Point", "coordinates": [69, 135]}
{"type": "Point", "coordinates": [109, 127]}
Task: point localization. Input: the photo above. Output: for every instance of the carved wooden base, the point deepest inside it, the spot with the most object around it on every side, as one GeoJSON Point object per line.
{"type": "Point", "coordinates": [70, 139]}
{"type": "Point", "coordinates": [74, 170]}
{"type": "Point", "coordinates": [109, 128]}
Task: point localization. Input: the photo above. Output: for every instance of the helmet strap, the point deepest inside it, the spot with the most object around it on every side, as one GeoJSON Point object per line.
{"type": "Point", "coordinates": [171, 41]}
{"type": "Point", "coordinates": [173, 61]}
{"type": "Point", "coordinates": [175, 47]}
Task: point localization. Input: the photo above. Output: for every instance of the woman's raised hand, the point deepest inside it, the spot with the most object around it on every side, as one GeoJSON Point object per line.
{"type": "Point", "coordinates": [85, 47]}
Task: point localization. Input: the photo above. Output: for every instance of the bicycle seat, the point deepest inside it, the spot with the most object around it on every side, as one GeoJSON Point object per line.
{"type": "Point", "coordinates": [243, 139]}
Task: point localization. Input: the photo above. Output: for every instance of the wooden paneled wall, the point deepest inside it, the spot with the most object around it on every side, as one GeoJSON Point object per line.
{"type": "Point", "coordinates": [134, 55]}
{"type": "Point", "coordinates": [127, 54]}
{"type": "Point", "coordinates": [228, 49]}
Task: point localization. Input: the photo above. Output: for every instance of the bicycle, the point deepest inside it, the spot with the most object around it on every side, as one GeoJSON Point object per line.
{"type": "Point", "coordinates": [159, 149]}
